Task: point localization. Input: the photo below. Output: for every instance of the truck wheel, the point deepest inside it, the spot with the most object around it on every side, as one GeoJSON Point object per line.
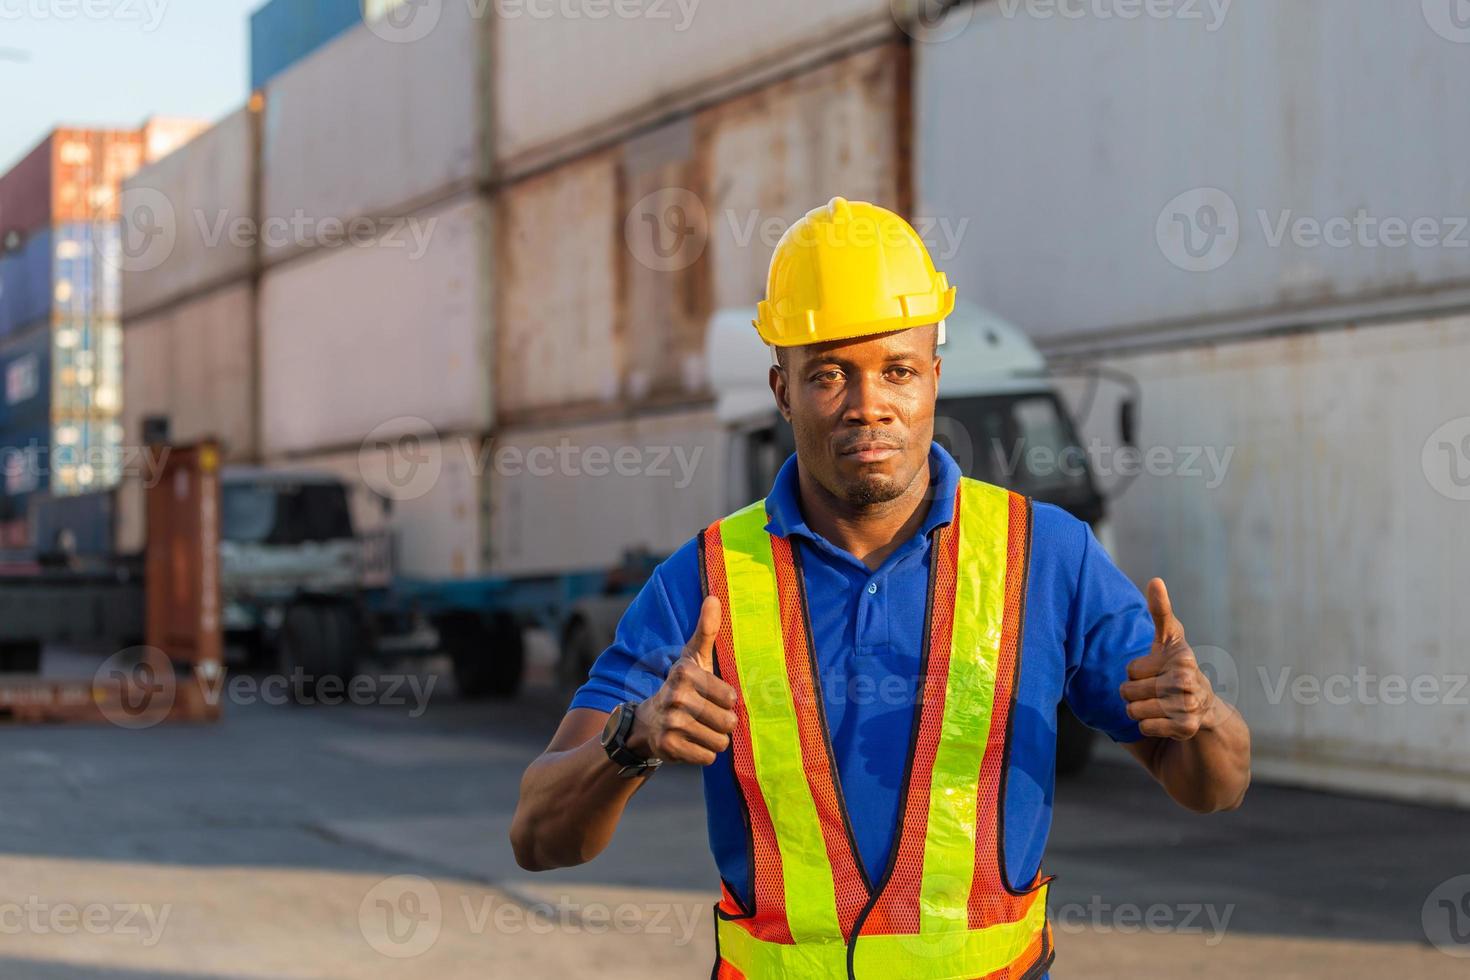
{"type": "Point", "coordinates": [488, 658]}
{"type": "Point", "coordinates": [20, 657]}
{"type": "Point", "coordinates": [308, 649]}
{"type": "Point", "coordinates": [349, 637]}
{"type": "Point", "coordinates": [579, 649]}
{"type": "Point", "coordinates": [1074, 742]}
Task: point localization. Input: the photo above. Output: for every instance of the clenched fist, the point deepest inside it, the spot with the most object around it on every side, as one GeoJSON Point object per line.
{"type": "Point", "coordinates": [1167, 693]}
{"type": "Point", "coordinates": [690, 718]}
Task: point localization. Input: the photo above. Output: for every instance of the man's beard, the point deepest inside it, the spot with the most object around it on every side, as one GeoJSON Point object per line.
{"type": "Point", "coordinates": [870, 490]}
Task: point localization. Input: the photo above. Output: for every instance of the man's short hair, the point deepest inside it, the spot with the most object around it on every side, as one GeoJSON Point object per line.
{"type": "Point", "coordinates": [781, 351]}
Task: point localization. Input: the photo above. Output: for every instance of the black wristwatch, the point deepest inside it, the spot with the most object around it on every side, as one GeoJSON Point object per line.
{"type": "Point", "coordinates": [615, 742]}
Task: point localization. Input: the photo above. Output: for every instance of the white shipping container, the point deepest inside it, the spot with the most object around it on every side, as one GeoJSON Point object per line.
{"type": "Point", "coordinates": [577, 497]}
{"type": "Point", "coordinates": [1306, 503]}
{"type": "Point", "coordinates": [1084, 155]}
{"type": "Point", "coordinates": [195, 364]}
{"type": "Point", "coordinates": [626, 69]}
{"type": "Point", "coordinates": [203, 198]}
{"type": "Point", "coordinates": [367, 126]}
{"type": "Point", "coordinates": [391, 337]}
{"type": "Point", "coordinates": [434, 490]}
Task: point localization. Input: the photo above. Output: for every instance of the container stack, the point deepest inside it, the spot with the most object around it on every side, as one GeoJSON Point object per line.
{"type": "Point", "coordinates": [508, 302]}
{"type": "Point", "coordinates": [1285, 286]}
{"type": "Point", "coordinates": [60, 340]}
{"type": "Point", "coordinates": [188, 303]}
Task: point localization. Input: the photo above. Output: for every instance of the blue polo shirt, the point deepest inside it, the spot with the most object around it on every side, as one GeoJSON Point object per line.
{"type": "Point", "coordinates": [1084, 622]}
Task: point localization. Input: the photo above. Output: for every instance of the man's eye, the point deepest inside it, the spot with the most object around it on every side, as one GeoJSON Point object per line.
{"type": "Point", "coordinates": [904, 372]}
{"type": "Point", "coordinates": [825, 376]}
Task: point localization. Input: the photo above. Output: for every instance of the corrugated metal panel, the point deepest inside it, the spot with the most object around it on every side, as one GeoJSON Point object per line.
{"type": "Point", "coordinates": [776, 154]}
{"type": "Point", "coordinates": [207, 189]}
{"type": "Point", "coordinates": [25, 194]}
{"type": "Point", "coordinates": [558, 339]}
{"type": "Point", "coordinates": [622, 67]}
{"type": "Point", "coordinates": [610, 266]}
{"type": "Point", "coordinates": [437, 507]}
{"type": "Point", "coordinates": [25, 282]}
{"type": "Point", "coordinates": [580, 496]}
{"type": "Point", "coordinates": [372, 127]}
{"type": "Point", "coordinates": [284, 31]}
{"type": "Point", "coordinates": [195, 364]}
{"type": "Point", "coordinates": [1063, 140]}
{"type": "Point", "coordinates": [1327, 538]}
{"type": "Point", "coordinates": [353, 339]}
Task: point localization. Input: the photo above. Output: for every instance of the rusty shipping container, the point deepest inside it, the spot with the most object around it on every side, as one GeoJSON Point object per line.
{"type": "Point", "coordinates": [610, 266]}
{"type": "Point", "coordinates": [377, 338]}
{"type": "Point", "coordinates": [1304, 497]}
{"type": "Point", "coordinates": [203, 197]}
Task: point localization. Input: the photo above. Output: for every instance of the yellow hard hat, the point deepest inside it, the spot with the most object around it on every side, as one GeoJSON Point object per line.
{"type": "Point", "coordinates": [850, 269]}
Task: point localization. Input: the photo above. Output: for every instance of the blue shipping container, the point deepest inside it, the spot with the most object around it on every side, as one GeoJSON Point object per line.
{"type": "Point", "coordinates": [85, 284]}
{"type": "Point", "coordinates": [25, 380]}
{"type": "Point", "coordinates": [25, 283]}
{"type": "Point", "coordinates": [285, 31]}
{"type": "Point", "coordinates": [87, 519]}
{"type": "Point", "coordinates": [25, 464]}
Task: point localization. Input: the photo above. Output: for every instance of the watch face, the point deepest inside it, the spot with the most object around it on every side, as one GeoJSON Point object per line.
{"type": "Point", "coordinates": [611, 727]}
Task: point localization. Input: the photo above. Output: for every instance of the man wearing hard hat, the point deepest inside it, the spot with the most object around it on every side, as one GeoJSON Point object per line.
{"type": "Point", "coordinates": [868, 663]}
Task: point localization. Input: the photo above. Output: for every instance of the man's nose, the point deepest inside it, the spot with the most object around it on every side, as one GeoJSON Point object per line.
{"type": "Point", "coordinates": [867, 402]}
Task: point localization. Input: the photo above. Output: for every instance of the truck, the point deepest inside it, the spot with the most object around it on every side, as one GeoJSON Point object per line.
{"type": "Point", "coordinates": [301, 584]}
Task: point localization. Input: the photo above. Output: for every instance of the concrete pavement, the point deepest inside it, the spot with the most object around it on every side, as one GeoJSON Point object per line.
{"type": "Point", "coordinates": [370, 841]}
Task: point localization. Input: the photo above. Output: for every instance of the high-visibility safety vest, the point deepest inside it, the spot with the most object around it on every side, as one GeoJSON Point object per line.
{"type": "Point", "coordinates": [943, 907]}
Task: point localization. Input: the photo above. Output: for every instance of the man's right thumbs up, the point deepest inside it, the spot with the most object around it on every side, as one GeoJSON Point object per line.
{"type": "Point", "coordinates": [690, 718]}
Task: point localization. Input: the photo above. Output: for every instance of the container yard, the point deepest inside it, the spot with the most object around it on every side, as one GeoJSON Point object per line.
{"type": "Point", "coordinates": [359, 421]}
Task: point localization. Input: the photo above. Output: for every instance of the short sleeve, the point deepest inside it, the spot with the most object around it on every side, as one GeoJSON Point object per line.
{"type": "Point", "coordinates": [1108, 627]}
{"type": "Point", "coordinates": [649, 638]}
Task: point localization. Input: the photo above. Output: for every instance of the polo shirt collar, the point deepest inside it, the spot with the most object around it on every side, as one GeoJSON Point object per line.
{"type": "Point", "coordinates": [783, 504]}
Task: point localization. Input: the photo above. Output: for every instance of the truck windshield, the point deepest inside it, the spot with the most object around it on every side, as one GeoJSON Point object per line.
{"type": "Point", "coordinates": [284, 513]}
{"type": "Point", "coordinates": [1024, 442]}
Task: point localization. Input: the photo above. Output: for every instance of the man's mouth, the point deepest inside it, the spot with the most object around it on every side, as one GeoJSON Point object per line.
{"type": "Point", "coordinates": [870, 451]}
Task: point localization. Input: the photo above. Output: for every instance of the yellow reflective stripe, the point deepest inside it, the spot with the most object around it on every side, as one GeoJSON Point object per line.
{"type": "Point", "coordinates": [775, 743]}
{"type": "Point", "coordinates": [947, 955]}
{"type": "Point", "coordinates": [979, 610]}
{"type": "Point", "coordinates": [759, 960]}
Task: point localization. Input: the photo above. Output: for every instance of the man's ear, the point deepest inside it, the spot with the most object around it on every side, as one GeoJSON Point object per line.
{"type": "Point", "coordinates": [779, 389]}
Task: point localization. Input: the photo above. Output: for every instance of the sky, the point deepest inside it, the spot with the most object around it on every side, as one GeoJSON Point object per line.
{"type": "Point", "coordinates": [116, 62]}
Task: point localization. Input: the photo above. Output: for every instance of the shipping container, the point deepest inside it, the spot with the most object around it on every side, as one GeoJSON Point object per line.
{"type": "Point", "coordinates": [25, 462]}
{"type": "Point", "coordinates": [610, 266]}
{"type": "Point", "coordinates": [89, 166]}
{"type": "Point", "coordinates": [81, 525]}
{"type": "Point", "coordinates": [368, 127]}
{"type": "Point", "coordinates": [628, 70]}
{"type": "Point", "coordinates": [25, 281]}
{"type": "Point", "coordinates": [1077, 227]}
{"type": "Point", "coordinates": [86, 269]}
{"type": "Point", "coordinates": [559, 340]}
{"type": "Point", "coordinates": [1305, 498]}
{"type": "Point", "coordinates": [436, 491]}
{"type": "Point", "coordinates": [25, 380]}
{"type": "Point", "coordinates": [194, 364]}
{"type": "Point", "coordinates": [25, 195]}
{"type": "Point", "coordinates": [207, 191]}
{"type": "Point", "coordinates": [163, 135]}
{"type": "Point", "coordinates": [578, 497]}
{"type": "Point", "coordinates": [377, 339]}
{"type": "Point", "coordinates": [285, 31]}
